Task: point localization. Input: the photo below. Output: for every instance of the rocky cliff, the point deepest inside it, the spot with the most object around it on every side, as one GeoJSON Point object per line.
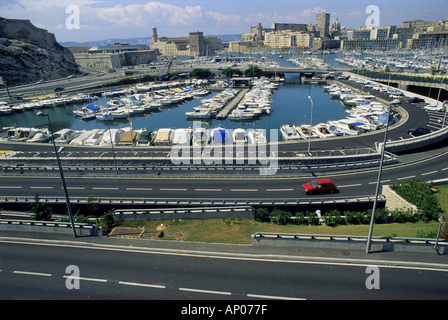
{"type": "Point", "coordinates": [29, 54]}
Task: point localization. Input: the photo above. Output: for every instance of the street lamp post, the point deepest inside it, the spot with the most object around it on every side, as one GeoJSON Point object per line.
{"type": "Point", "coordinates": [372, 219]}
{"type": "Point", "coordinates": [64, 187]}
{"type": "Point", "coordinates": [311, 124]}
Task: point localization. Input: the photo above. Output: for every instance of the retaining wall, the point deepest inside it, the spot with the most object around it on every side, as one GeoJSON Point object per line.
{"type": "Point", "coordinates": [395, 202]}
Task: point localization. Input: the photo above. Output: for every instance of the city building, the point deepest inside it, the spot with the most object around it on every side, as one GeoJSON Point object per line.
{"type": "Point", "coordinates": [288, 38]}
{"type": "Point", "coordinates": [323, 24]}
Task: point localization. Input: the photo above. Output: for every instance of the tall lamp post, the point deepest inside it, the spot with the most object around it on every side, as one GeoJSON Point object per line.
{"type": "Point", "coordinates": [311, 124]}
{"type": "Point", "coordinates": [372, 219]}
{"type": "Point", "coordinates": [64, 187]}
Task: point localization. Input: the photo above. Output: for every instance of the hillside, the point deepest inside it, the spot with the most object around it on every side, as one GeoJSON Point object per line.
{"type": "Point", "coordinates": [29, 54]}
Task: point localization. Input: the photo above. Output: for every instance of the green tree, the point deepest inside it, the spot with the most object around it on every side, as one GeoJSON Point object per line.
{"type": "Point", "coordinates": [201, 73]}
{"type": "Point", "coordinates": [42, 212]}
{"type": "Point", "coordinates": [254, 71]}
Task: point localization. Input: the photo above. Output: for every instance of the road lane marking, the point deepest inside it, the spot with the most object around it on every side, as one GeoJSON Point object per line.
{"type": "Point", "coordinates": [139, 189]}
{"type": "Point", "coordinates": [75, 188]}
{"type": "Point", "coordinates": [444, 169]}
{"type": "Point", "coordinates": [33, 273]}
{"type": "Point", "coordinates": [141, 285]}
{"type": "Point", "coordinates": [272, 297]}
{"type": "Point", "coordinates": [41, 187]}
{"type": "Point", "coordinates": [9, 187]}
{"type": "Point", "coordinates": [212, 190]}
{"type": "Point", "coordinates": [244, 190]}
{"type": "Point", "coordinates": [162, 189]}
{"type": "Point", "coordinates": [427, 173]}
{"type": "Point", "coordinates": [206, 291]}
{"type": "Point", "coordinates": [273, 190]}
{"type": "Point", "coordinates": [87, 279]}
{"type": "Point", "coordinates": [405, 178]}
{"type": "Point", "coordinates": [105, 188]}
{"type": "Point", "coordinates": [382, 181]}
{"type": "Point", "coordinates": [350, 185]}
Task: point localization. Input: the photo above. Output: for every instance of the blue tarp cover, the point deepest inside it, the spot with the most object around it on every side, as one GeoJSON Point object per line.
{"type": "Point", "coordinates": [92, 107]}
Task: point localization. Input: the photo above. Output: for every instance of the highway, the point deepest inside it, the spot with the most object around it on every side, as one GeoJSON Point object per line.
{"type": "Point", "coordinates": [124, 271]}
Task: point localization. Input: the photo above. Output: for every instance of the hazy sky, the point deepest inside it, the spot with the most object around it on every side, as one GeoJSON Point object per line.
{"type": "Point", "coordinates": [101, 20]}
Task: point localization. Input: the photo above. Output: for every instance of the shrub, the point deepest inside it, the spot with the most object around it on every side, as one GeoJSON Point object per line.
{"type": "Point", "coordinates": [261, 214]}
{"type": "Point", "coordinates": [300, 218]}
{"type": "Point", "coordinates": [313, 219]}
{"type": "Point", "coordinates": [280, 217]}
{"type": "Point", "coordinates": [42, 212]}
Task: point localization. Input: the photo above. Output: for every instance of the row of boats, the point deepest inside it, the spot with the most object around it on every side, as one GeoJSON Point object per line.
{"type": "Point", "coordinates": [255, 103]}
{"type": "Point", "coordinates": [127, 137]}
{"type": "Point", "coordinates": [364, 115]}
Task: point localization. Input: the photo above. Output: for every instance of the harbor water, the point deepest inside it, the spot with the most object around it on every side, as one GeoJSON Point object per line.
{"type": "Point", "coordinates": [290, 105]}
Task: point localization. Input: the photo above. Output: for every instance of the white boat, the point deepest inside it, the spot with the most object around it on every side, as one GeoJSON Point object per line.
{"type": "Point", "coordinates": [40, 137]}
{"type": "Point", "coordinates": [322, 131]}
{"type": "Point", "coordinates": [239, 136]}
{"type": "Point", "coordinates": [201, 137]}
{"type": "Point", "coordinates": [65, 136]}
{"type": "Point", "coordinates": [5, 110]}
{"type": "Point", "coordinates": [182, 136]}
{"type": "Point", "coordinates": [21, 134]}
{"type": "Point", "coordinates": [347, 126]}
{"type": "Point", "coordinates": [58, 102]}
{"type": "Point", "coordinates": [18, 108]}
{"type": "Point", "coordinates": [256, 136]}
{"type": "Point", "coordinates": [47, 103]}
{"type": "Point", "coordinates": [164, 137]}
{"type": "Point", "coordinates": [144, 140]}
{"type": "Point", "coordinates": [289, 132]}
{"type": "Point", "coordinates": [242, 115]}
{"type": "Point", "coordinates": [112, 136]}
{"type": "Point", "coordinates": [94, 138]}
{"type": "Point", "coordinates": [106, 116]}
{"type": "Point", "coordinates": [205, 113]}
{"type": "Point", "coordinates": [306, 131]}
{"type": "Point", "coordinates": [81, 138]}
{"type": "Point", "coordinates": [335, 130]}
{"type": "Point", "coordinates": [115, 103]}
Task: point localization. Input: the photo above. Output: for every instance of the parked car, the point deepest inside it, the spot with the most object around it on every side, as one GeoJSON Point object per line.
{"type": "Point", "coordinates": [434, 108]}
{"type": "Point", "coordinates": [40, 82]}
{"type": "Point", "coordinates": [418, 132]}
{"type": "Point", "coordinates": [319, 186]}
{"type": "Point", "coordinates": [415, 100]}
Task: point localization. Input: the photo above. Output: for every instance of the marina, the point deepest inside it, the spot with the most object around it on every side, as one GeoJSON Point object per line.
{"type": "Point", "coordinates": [178, 105]}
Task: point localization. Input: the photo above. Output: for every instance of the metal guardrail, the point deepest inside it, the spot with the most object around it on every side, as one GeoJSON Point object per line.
{"type": "Point", "coordinates": [195, 201]}
{"type": "Point", "coordinates": [82, 228]}
{"type": "Point", "coordinates": [337, 237]}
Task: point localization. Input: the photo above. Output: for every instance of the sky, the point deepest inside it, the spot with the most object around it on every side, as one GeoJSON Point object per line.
{"type": "Point", "coordinates": [93, 20]}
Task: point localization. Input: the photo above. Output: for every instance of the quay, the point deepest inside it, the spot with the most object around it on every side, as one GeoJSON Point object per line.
{"type": "Point", "coordinates": [229, 107]}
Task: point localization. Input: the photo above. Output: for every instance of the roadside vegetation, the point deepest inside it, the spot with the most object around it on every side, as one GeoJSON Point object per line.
{"type": "Point", "coordinates": [431, 200]}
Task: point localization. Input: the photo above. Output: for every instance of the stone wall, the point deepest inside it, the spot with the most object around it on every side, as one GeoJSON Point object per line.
{"type": "Point", "coordinates": [395, 202]}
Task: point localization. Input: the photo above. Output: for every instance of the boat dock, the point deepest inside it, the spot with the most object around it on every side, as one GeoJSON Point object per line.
{"type": "Point", "coordinates": [232, 104]}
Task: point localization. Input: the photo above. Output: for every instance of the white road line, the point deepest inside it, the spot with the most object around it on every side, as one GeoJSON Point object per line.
{"type": "Point", "coordinates": [141, 285]}
{"type": "Point", "coordinates": [444, 169]}
{"type": "Point", "coordinates": [87, 279]}
{"type": "Point", "coordinates": [272, 297]}
{"type": "Point", "coordinates": [162, 189]}
{"type": "Point", "coordinates": [75, 188]}
{"type": "Point", "coordinates": [350, 185]}
{"type": "Point", "coordinates": [382, 181]}
{"type": "Point", "coordinates": [404, 178]}
{"type": "Point", "coordinates": [33, 273]}
{"type": "Point", "coordinates": [213, 190]}
{"type": "Point", "coordinates": [9, 187]}
{"type": "Point", "coordinates": [41, 187]}
{"type": "Point", "coordinates": [427, 173]}
{"type": "Point", "coordinates": [273, 190]}
{"type": "Point", "coordinates": [105, 188]}
{"type": "Point", "coordinates": [206, 291]}
{"type": "Point", "coordinates": [139, 189]}
{"type": "Point", "coordinates": [244, 190]}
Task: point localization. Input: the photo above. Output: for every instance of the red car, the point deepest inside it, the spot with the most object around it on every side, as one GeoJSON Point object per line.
{"type": "Point", "coordinates": [319, 186]}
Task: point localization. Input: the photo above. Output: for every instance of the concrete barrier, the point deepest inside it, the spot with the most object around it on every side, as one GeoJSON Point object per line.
{"type": "Point", "coordinates": [341, 242]}
{"type": "Point", "coordinates": [82, 229]}
{"type": "Point", "coordinates": [200, 213]}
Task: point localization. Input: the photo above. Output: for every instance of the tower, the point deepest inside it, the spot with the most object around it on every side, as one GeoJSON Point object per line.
{"type": "Point", "coordinates": [155, 38]}
{"type": "Point", "coordinates": [197, 43]}
{"type": "Point", "coordinates": [323, 24]}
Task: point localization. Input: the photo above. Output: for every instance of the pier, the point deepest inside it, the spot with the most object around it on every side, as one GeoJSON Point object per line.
{"type": "Point", "coordinates": [232, 104]}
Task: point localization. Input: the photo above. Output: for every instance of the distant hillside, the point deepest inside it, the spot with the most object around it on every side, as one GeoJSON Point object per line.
{"type": "Point", "coordinates": [145, 40]}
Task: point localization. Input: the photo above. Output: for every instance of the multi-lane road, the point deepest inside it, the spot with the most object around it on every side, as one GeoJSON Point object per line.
{"type": "Point", "coordinates": [102, 271]}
